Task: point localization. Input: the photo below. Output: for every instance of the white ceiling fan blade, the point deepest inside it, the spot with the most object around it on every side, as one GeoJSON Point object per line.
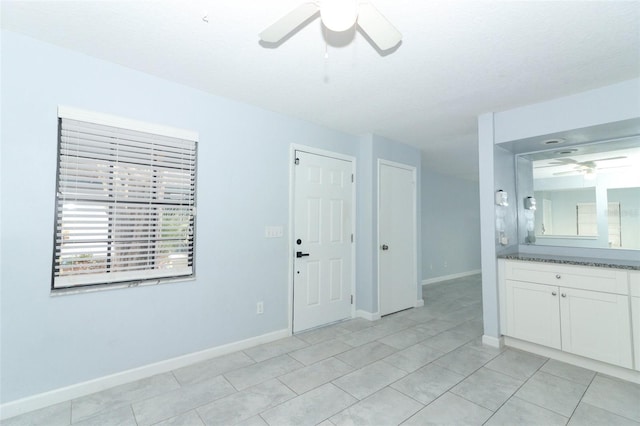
{"type": "Point", "coordinates": [377, 27]}
{"type": "Point", "coordinates": [570, 172]}
{"type": "Point", "coordinates": [610, 158]}
{"type": "Point", "coordinates": [561, 161]}
{"type": "Point", "coordinates": [289, 22]}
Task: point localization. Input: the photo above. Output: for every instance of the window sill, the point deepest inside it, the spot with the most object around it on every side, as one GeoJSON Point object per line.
{"type": "Point", "coordinates": [117, 286]}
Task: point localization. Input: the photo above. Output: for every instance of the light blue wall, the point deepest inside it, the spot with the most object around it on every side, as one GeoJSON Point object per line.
{"type": "Point", "coordinates": [609, 104]}
{"type": "Point", "coordinates": [487, 188]}
{"type": "Point", "coordinates": [504, 177]}
{"type": "Point", "coordinates": [629, 199]}
{"type": "Point", "coordinates": [243, 185]}
{"type": "Point", "coordinates": [450, 225]}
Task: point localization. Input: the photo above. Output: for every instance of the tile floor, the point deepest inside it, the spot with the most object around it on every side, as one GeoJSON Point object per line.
{"type": "Point", "coordinates": [418, 367]}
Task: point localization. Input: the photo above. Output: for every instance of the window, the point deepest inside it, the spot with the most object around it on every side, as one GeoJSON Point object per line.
{"type": "Point", "coordinates": [125, 202]}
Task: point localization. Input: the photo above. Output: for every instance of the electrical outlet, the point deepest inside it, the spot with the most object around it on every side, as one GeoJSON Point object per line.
{"type": "Point", "coordinates": [260, 308]}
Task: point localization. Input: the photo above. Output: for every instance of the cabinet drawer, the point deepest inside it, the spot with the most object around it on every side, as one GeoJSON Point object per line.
{"type": "Point", "coordinates": [580, 277]}
{"type": "Point", "coordinates": [634, 283]}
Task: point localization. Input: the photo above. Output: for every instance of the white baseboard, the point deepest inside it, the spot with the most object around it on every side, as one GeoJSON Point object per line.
{"type": "Point", "coordinates": [496, 342]}
{"type": "Point", "coordinates": [450, 277]}
{"type": "Point", "coordinates": [45, 399]}
{"type": "Point", "coordinates": [368, 315]}
{"type": "Point", "coordinates": [590, 364]}
{"type": "Point", "coordinates": [419, 303]}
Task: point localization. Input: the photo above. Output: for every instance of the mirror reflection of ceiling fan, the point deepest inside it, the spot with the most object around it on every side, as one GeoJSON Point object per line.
{"type": "Point", "coordinates": [337, 15]}
{"type": "Point", "coordinates": [581, 167]}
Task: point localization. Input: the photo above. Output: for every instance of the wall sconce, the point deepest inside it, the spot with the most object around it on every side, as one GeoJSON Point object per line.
{"type": "Point", "coordinates": [530, 203]}
{"type": "Point", "coordinates": [529, 214]}
{"type": "Point", "coordinates": [502, 198]}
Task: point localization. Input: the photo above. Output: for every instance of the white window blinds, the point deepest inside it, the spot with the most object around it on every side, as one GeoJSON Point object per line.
{"type": "Point", "coordinates": [125, 205]}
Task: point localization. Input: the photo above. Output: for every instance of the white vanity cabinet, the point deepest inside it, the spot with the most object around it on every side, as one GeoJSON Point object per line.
{"type": "Point", "coordinates": [577, 309]}
{"type": "Point", "coordinates": [634, 289]}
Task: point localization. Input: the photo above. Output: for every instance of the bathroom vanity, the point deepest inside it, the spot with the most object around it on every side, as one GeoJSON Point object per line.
{"type": "Point", "coordinates": [582, 311]}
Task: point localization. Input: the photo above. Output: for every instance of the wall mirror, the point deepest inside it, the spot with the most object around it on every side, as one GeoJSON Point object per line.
{"type": "Point", "coordinates": [586, 195]}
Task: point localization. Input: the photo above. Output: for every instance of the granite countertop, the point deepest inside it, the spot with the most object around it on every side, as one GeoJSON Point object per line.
{"type": "Point", "coordinates": [567, 260]}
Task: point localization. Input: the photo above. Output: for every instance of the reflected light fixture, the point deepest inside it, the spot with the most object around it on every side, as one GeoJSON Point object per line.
{"type": "Point", "coordinates": [339, 15]}
{"type": "Point", "coordinates": [590, 174]}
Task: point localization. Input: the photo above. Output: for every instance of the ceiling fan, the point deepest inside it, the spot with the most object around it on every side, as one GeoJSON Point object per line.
{"type": "Point", "coordinates": [585, 167]}
{"type": "Point", "coordinates": [338, 16]}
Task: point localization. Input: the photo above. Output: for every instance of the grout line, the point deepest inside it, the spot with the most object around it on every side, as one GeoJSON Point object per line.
{"type": "Point", "coordinates": [581, 396]}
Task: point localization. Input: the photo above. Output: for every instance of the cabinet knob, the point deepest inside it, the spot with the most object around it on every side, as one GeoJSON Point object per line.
{"type": "Point", "coordinates": [564, 294]}
{"type": "Point", "coordinates": [553, 293]}
{"type": "Point", "coordinates": [558, 276]}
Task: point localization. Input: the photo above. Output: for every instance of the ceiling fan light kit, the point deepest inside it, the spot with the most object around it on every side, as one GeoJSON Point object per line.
{"type": "Point", "coordinates": [338, 16]}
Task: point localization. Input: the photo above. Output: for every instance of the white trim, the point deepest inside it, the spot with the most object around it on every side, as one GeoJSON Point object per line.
{"type": "Point", "coordinates": [368, 315]}
{"type": "Point", "coordinates": [290, 271]}
{"type": "Point", "coordinates": [495, 342]}
{"type": "Point", "coordinates": [414, 171]}
{"type": "Point", "coordinates": [450, 277]}
{"type": "Point", "coordinates": [45, 399]}
{"type": "Point", "coordinates": [126, 123]}
{"type": "Point", "coordinates": [419, 303]}
{"type": "Point", "coordinates": [588, 363]}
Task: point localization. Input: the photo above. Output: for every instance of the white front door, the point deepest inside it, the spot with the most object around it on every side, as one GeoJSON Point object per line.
{"type": "Point", "coordinates": [323, 255]}
{"type": "Point", "coordinates": [397, 279]}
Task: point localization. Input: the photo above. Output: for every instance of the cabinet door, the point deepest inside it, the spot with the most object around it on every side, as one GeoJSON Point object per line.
{"type": "Point", "coordinates": [635, 326]}
{"type": "Point", "coordinates": [533, 313]}
{"type": "Point", "coordinates": [596, 325]}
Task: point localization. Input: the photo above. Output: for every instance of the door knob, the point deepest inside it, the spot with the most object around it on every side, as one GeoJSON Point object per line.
{"type": "Point", "coordinates": [385, 247]}
{"type": "Point", "coordinates": [301, 254]}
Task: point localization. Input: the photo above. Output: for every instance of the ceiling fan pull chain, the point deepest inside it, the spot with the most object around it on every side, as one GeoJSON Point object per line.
{"type": "Point", "coordinates": [326, 43]}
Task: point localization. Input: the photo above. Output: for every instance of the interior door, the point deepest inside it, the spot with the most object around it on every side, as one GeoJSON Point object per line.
{"type": "Point", "coordinates": [323, 255]}
{"type": "Point", "coordinates": [397, 280]}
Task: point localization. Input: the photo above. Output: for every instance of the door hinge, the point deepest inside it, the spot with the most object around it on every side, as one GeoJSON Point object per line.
{"type": "Point", "coordinates": [352, 299]}
{"type": "Point", "coordinates": [297, 161]}
{"type": "Point", "coordinates": [351, 237]}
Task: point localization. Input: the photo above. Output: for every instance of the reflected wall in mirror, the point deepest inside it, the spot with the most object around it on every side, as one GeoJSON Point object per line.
{"type": "Point", "coordinates": [587, 196]}
{"type": "Point", "coordinates": [564, 212]}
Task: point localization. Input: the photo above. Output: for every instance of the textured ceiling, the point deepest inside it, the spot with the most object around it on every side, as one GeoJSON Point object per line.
{"type": "Point", "coordinates": [457, 59]}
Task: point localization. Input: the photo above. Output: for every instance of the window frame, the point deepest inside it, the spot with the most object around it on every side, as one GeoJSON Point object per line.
{"type": "Point", "coordinates": [139, 275]}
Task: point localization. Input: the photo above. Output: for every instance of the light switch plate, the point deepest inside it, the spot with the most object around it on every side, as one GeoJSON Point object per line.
{"type": "Point", "coordinates": [273, 231]}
